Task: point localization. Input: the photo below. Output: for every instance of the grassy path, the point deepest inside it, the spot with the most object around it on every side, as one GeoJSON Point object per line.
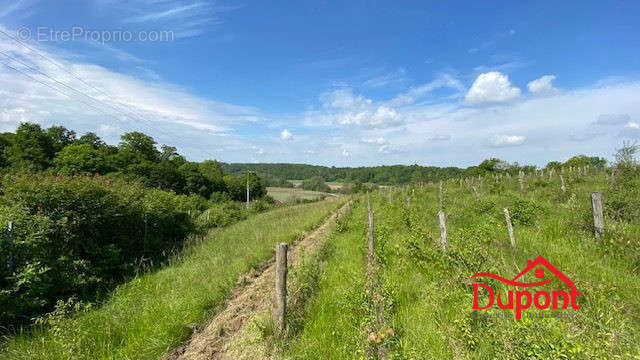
{"type": "Point", "coordinates": [154, 313]}
{"type": "Point", "coordinates": [336, 319]}
{"type": "Point", "coordinates": [227, 335]}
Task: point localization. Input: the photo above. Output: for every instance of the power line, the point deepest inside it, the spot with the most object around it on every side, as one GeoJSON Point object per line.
{"type": "Point", "coordinates": [51, 61]}
{"type": "Point", "coordinates": [48, 59]}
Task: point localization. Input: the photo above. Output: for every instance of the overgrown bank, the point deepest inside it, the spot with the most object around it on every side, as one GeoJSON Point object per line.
{"type": "Point", "coordinates": [154, 313]}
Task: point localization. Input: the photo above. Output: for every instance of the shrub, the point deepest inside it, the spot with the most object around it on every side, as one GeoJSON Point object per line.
{"type": "Point", "coordinates": [524, 212]}
{"type": "Point", "coordinates": [80, 236]}
{"type": "Point", "coordinates": [315, 183]}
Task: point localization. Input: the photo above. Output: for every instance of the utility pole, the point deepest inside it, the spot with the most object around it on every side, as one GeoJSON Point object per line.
{"type": "Point", "coordinates": [247, 189]}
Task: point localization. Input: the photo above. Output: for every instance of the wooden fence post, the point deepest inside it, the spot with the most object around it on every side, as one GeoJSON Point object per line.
{"type": "Point", "coordinates": [521, 180]}
{"type": "Point", "coordinates": [598, 216]}
{"type": "Point", "coordinates": [371, 237]}
{"type": "Point", "coordinates": [441, 196]}
{"type": "Point", "coordinates": [144, 241]}
{"type": "Point", "coordinates": [507, 219]}
{"type": "Point", "coordinates": [280, 306]}
{"type": "Point", "coordinates": [10, 247]}
{"type": "Point", "coordinates": [443, 230]}
{"type": "Point", "coordinates": [562, 186]}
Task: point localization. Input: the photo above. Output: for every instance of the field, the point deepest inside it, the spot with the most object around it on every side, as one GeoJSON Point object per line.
{"type": "Point", "coordinates": [334, 185]}
{"type": "Point", "coordinates": [420, 303]}
{"type": "Point", "coordinates": [411, 297]}
{"type": "Point", "coordinates": [292, 194]}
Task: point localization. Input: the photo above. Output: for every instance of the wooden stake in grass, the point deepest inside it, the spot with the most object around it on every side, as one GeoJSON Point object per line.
{"type": "Point", "coordinates": [507, 219]}
{"type": "Point", "coordinates": [10, 247]}
{"type": "Point", "coordinates": [443, 230]}
{"type": "Point", "coordinates": [371, 237]}
{"type": "Point", "coordinates": [441, 196]}
{"type": "Point", "coordinates": [280, 304]}
{"type": "Point", "coordinates": [562, 186]}
{"type": "Point", "coordinates": [521, 180]}
{"type": "Point", "coordinates": [598, 216]}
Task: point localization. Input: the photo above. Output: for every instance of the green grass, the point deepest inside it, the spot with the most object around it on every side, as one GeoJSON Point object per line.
{"type": "Point", "coordinates": [292, 194]}
{"type": "Point", "coordinates": [428, 293]}
{"type": "Point", "coordinates": [154, 313]}
{"type": "Point", "coordinates": [334, 327]}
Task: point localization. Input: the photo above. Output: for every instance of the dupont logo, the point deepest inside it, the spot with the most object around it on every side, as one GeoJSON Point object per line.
{"type": "Point", "coordinates": [558, 299]}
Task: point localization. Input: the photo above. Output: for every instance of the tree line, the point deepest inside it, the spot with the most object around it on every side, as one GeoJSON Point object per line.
{"type": "Point", "coordinates": [58, 150]}
{"type": "Point", "coordinates": [397, 174]}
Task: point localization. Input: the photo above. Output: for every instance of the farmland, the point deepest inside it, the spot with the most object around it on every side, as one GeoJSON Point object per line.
{"type": "Point", "coordinates": [410, 298]}
{"type": "Point", "coordinates": [427, 294]}
{"type": "Point", "coordinates": [285, 195]}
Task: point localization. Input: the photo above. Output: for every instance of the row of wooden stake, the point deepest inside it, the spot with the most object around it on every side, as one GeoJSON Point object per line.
{"type": "Point", "coordinates": [280, 303]}
{"type": "Point", "coordinates": [596, 207]}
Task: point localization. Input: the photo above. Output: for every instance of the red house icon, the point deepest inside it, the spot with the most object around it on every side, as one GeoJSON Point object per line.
{"type": "Point", "coordinates": [539, 273]}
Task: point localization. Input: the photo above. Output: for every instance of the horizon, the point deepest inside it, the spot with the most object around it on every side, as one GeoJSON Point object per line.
{"type": "Point", "coordinates": [331, 84]}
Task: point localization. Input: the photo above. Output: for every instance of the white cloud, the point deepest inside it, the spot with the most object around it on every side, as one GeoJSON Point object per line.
{"type": "Point", "coordinates": [119, 101]}
{"type": "Point", "coordinates": [507, 140]}
{"type": "Point", "coordinates": [543, 85]}
{"type": "Point", "coordinates": [11, 7]}
{"type": "Point", "coordinates": [344, 107]}
{"type": "Point", "coordinates": [439, 137]}
{"type": "Point", "coordinates": [612, 119]}
{"type": "Point", "coordinates": [443, 80]}
{"type": "Point", "coordinates": [632, 125]}
{"type": "Point", "coordinates": [186, 18]}
{"type": "Point", "coordinates": [491, 87]}
{"type": "Point", "coordinates": [169, 13]}
{"type": "Point", "coordinates": [395, 77]}
{"type": "Point", "coordinates": [377, 141]}
{"type": "Point", "coordinates": [286, 135]}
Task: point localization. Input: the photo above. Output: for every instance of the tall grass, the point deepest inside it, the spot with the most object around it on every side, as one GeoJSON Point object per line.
{"type": "Point", "coordinates": [337, 316]}
{"type": "Point", "coordinates": [154, 313]}
{"type": "Point", "coordinates": [428, 293]}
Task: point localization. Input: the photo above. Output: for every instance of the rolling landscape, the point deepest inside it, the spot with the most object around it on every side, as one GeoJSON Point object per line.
{"type": "Point", "coordinates": [196, 180]}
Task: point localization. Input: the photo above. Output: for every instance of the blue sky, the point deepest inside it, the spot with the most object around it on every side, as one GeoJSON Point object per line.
{"type": "Point", "coordinates": [331, 82]}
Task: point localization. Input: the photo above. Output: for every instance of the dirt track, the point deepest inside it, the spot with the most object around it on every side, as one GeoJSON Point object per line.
{"type": "Point", "coordinates": [251, 297]}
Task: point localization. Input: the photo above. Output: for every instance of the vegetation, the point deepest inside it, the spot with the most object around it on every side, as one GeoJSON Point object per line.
{"type": "Point", "coordinates": [154, 313]}
{"type": "Point", "coordinates": [86, 215]}
{"type": "Point", "coordinates": [315, 183]}
{"type": "Point", "coordinates": [401, 174]}
{"type": "Point", "coordinates": [428, 295]}
{"type": "Point", "coordinates": [294, 195]}
{"type": "Point", "coordinates": [58, 150]}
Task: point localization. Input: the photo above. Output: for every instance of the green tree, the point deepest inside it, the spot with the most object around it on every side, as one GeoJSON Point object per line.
{"type": "Point", "coordinates": [60, 137]}
{"type": "Point", "coordinates": [195, 182]}
{"type": "Point", "coordinates": [79, 159]}
{"type": "Point", "coordinates": [91, 139]}
{"type": "Point", "coordinates": [5, 142]}
{"type": "Point", "coordinates": [315, 183]}
{"type": "Point", "coordinates": [31, 148]}
{"type": "Point", "coordinates": [237, 186]}
{"type": "Point", "coordinates": [584, 160]}
{"type": "Point", "coordinates": [141, 145]}
{"type": "Point", "coordinates": [212, 170]}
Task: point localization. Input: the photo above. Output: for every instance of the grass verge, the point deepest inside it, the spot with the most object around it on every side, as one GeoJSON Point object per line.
{"type": "Point", "coordinates": [154, 313]}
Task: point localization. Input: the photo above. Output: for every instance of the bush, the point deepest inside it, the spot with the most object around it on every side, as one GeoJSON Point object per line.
{"type": "Point", "coordinates": [315, 183]}
{"type": "Point", "coordinates": [80, 236]}
{"type": "Point", "coordinates": [525, 212]}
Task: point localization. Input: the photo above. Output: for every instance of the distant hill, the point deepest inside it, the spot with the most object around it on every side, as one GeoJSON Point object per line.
{"type": "Point", "coordinates": [390, 175]}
